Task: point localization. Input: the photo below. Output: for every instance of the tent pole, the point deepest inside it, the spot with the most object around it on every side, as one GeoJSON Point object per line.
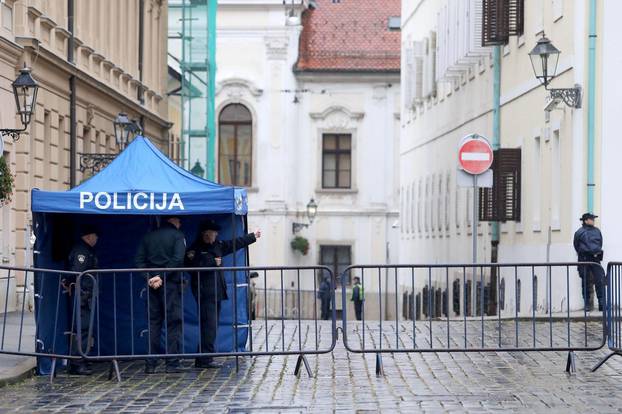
{"type": "Point", "coordinates": [235, 293]}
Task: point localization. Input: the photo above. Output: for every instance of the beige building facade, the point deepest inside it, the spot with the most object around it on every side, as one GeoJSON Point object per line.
{"type": "Point", "coordinates": [448, 94]}
{"type": "Point", "coordinates": [113, 73]}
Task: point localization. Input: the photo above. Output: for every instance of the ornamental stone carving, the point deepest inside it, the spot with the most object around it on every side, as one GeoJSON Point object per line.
{"type": "Point", "coordinates": [337, 117]}
{"type": "Point", "coordinates": [276, 47]}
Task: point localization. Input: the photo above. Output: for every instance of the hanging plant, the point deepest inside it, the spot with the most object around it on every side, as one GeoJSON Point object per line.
{"type": "Point", "coordinates": [300, 244]}
{"type": "Point", "coordinates": [6, 182]}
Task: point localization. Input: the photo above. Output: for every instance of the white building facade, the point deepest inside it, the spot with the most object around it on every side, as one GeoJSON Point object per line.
{"type": "Point", "coordinates": [448, 83]}
{"type": "Point", "coordinates": [300, 134]}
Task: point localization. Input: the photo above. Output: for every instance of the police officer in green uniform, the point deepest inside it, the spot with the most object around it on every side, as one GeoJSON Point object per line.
{"type": "Point", "coordinates": [81, 258]}
{"type": "Point", "coordinates": [358, 297]}
{"type": "Point", "coordinates": [162, 248]}
{"type": "Point", "coordinates": [209, 287]}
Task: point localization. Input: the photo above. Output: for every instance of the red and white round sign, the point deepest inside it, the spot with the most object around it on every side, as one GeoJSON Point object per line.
{"type": "Point", "coordinates": [475, 154]}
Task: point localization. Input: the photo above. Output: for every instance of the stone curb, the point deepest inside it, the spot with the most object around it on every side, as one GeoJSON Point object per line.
{"type": "Point", "coordinates": [18, 373]}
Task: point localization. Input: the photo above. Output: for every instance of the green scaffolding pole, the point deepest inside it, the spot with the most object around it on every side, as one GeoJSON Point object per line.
{"type": "Point", "coordinates": [211, 110]}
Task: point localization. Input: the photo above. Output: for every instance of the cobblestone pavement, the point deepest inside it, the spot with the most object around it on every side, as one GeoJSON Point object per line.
{"type": "Point", "coordinates": [342, 382]}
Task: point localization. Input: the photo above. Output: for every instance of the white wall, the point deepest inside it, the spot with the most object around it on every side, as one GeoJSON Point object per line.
{"type": "Point", "coordinates": [256, 55]}
{"type": "Point", "coordinates": [553, 183]}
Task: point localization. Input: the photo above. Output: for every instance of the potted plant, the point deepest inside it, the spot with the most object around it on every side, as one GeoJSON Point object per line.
{"type": "Point", "coordinates": [6, 182]}
{"type": "Point", "coordinates": [300, 244]}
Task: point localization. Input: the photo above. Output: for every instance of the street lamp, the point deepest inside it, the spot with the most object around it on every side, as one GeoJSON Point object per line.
{"type": "Point", "coordinates": [311, 213]}
{"type": "Point", "coordinates": [544, 59]}
{"type": "Point", "coordinates": [124, 130]}
{"type": "Point", "coordinates": [25, 90]}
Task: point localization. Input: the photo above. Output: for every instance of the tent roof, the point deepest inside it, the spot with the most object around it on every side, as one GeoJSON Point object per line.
{"type": "Point", "coordinates": [142, 180]}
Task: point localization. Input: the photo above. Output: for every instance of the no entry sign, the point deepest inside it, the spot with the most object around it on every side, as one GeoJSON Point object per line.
{"type": "Point", "coordinates": [475, 154]}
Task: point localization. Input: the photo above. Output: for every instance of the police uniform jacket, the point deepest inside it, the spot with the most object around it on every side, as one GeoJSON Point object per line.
{"type": "Point", "coordinates": [202, 254]}
{"type": "Point", "coordinates": [82, 257]}
{"type": "Point", "coordinates": [588, 243]}
{"type": "Point", "coordinates": [162, 248]}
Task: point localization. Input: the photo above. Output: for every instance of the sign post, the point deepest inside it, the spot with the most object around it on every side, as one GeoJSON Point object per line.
{"type": "Point", "coordinates": [475, 157]}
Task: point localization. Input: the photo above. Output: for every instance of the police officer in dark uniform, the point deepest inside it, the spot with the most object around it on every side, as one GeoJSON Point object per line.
{"type": "Point", "coordinates": [164, 247]}
{"type": "Point", "coordinates": [209, 287]}
{"type": "Point", "coordinates": [81, 258]}
{"type": "Point", "coordinates": [588, 243]}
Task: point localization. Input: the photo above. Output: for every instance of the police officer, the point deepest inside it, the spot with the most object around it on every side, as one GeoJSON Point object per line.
{"type": "Point", "coordinates": [588, 243]}
{"type": "Point", "coordinates": [81, 258]}
{"type": "Point", "coordinates": [209, 287]}
{"type": "Point", "coordinates": [164, 247]}
{"type": "Point", "coordinates": [324, 296]}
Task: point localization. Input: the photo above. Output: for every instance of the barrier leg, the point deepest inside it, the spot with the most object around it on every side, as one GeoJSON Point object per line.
{"type": "Point", "coordinates": [53, 371]}
{"type": "Point", "coordinates": [114, 366]}
{"type": "Point", "coordinates": [379, 367]}
{"type": "Point", "coordinates": [570, 363]}
{"type": "Point", "coordinates": [302, 359]}
{"type": "Point", "coordinates": [605, 359]}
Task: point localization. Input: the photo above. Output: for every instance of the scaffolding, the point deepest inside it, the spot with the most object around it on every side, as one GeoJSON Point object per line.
{"type": "Point", "coordinates": [192, 45]}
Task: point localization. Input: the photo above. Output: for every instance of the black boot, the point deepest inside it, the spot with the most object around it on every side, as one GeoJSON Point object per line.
{"type": "Point", "coordinates": [79, 368]}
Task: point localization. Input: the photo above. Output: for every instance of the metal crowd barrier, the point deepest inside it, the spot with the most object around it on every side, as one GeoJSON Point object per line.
{"type": "Point", "coordinates": [614, 312]}
{"type": "Point", "coordinates": [119, 329]}
{"type": "Point", "coordinates": [539, 308]}
{"type": "Point", "coordinates": [22, 332]}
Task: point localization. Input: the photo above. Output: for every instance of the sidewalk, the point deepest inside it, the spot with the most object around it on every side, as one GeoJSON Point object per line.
{"type": "Point", "coordinates": [14, 368]}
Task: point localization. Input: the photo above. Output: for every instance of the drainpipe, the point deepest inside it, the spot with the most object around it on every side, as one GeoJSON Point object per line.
{"type": "Point", "coordinates": [591, 100]}
{"type": "Point", "coordinates": [496, 144]}
{"type": "Point", "coordinates": [211, 122]}
{"type": "Point", "coordinates": [141, 50]}
{"type": "Point", "coordinates": [72, 98]}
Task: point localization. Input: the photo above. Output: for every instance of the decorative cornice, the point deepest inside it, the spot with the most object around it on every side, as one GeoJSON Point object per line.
{"type": "Point", "coordinates": [98, 58]}
{"type": "Point", "coordinates": [62, 32]}
{"type": "Point", "coordinates": [337, 117]}
{"type": "Point", "coordinates": [276, 47]}
{"type": "Point", "coordinates": [34, 12]}
{"type": "Point", "coordinates": [236, 86]}
{"type": "Point", "coordinates": [47, 22]}
{"type": "Point", "coordinates": [337, 109]}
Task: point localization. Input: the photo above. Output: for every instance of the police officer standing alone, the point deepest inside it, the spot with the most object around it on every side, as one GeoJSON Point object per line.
{"type": "Point", "coordinates": [209, 287]}
{"type": "Point", "coordinates": [588, 243]}
{"type": "Point", "coordinates": [81, 258]}
{"type": "Point", "coordinates": [164, 248]}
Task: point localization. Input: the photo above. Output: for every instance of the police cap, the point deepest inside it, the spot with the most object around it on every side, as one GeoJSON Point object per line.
{"type": "Point", "coordinates": [587, 216]}
{"type": "Point", "coordinates": [209, 225]}
{"type": "Point", "coordinates": [87, 229]}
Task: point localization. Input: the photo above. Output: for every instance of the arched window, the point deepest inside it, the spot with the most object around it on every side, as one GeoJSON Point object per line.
{"type": "Point", "coordinates": [235, 146]}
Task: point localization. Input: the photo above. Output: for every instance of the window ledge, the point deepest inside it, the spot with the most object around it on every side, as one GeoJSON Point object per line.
{"type": "Point", "coordinates": [336, 190]}
{"type": "Point", "coordinates": [251, 189]}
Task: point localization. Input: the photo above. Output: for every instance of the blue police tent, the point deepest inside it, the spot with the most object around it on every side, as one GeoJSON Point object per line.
{"type": "Point", "coordinates": [125, 201]}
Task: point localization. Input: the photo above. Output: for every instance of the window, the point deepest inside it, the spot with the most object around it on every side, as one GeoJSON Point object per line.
{"type": "Point", "coordinates": [395, 23]}
{"type": "Point", "coordinates": [336, 160]}
{"type": "Point", "coordinates": [411, 209]}
{"type": "Point", "coordinates": [558, 9]}
{"type": "Point", "coordinates": [337, 259]}
{"type": "Point", "coordinates": [535, 185]}
{"type": "Point", "coordinates": [420, 198]}
{"type": "Point", "coordinates": [556, 183]}
{"type": "Point", "coordinates": [502, 201]}
{"type": "Point", "coordinates": [502, 19]}
{"type": "Point", "coordinates": [235, 147]}
{"type": "Point", "coordinates": [447, 200]}
{"type": "Point", "coordinates": [7, 16]}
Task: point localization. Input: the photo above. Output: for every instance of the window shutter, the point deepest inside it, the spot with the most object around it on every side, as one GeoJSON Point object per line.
{"type": "Point", "coordinates": [502, 201]}
{"type": "Point", "coordinates": [502, 19]}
